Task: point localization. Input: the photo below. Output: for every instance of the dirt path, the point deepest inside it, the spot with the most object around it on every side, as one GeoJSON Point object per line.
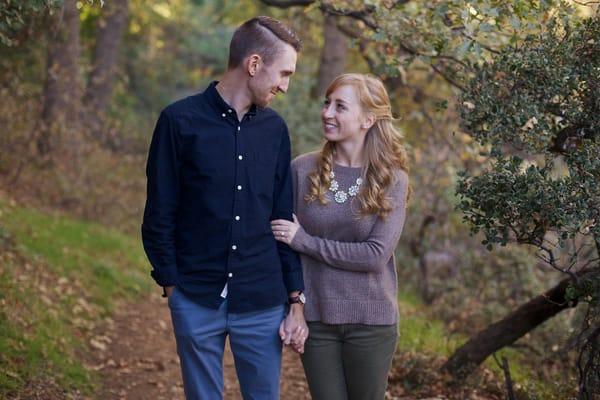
{"type": "Point", "coordinates": [138, 359]}
{"type": "Point", "coordinates": [135, 352]}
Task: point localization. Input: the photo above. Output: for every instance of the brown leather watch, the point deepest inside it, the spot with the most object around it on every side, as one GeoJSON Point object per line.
{"type": "Point", "coordinates": [299, 299]}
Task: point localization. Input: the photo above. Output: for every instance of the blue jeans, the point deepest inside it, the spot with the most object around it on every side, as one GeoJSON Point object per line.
{"type": "Point", "coordinates": [200, 334]}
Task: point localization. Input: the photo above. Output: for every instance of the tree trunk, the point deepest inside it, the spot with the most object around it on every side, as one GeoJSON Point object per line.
{"type": "Point", "coordinates": [508, 330]}
{"type": "Point", "coordinates": [418, 251]}
{"type": "Point", "coordinates": [111, 26]}
{"type": "Point", "coordinates": [333, 56]}
{"type": "Point", "coordinates": [62, 87]}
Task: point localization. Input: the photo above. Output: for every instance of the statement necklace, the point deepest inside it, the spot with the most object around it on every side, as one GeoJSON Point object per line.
{"type": "Point", "coordinates": [339, 195]}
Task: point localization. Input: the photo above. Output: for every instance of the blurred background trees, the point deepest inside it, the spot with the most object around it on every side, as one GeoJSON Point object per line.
{"type": "Point", "coordinates": [498, 103]}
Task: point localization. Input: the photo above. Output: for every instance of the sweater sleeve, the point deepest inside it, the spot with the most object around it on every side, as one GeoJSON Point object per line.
{"type": "Point", "coordinates": [370, 255]}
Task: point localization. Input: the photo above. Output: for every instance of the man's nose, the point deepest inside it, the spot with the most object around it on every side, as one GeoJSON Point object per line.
{"type": "Point", "coordinates": [283, 85]}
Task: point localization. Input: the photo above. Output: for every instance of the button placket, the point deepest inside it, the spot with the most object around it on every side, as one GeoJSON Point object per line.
{"type": "Point", "coordinates": [238, 188]}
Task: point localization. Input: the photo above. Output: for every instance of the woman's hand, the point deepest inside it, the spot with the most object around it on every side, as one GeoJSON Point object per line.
{"type": "Point", "coordinates": [284, 230]}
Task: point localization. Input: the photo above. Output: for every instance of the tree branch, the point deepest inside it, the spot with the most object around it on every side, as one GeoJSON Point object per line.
{"type": "Point", "coordinates": [447, 78]}
{"type": "Point", "coordinates": [510, 392]}
{"type": "Point", "coordinates": [288, 3]}
{"type": "Point", "coordinates": [358, 15]}
{"type": "Point", "coordinates": [484, 46]}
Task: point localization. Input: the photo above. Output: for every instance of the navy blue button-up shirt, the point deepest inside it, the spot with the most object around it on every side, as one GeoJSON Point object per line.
{"type": "Point", "coordinates": [214, 185]}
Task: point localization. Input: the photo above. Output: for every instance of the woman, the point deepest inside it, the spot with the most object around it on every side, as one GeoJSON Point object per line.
{"type": "Point", "coordinates": [350, 207]}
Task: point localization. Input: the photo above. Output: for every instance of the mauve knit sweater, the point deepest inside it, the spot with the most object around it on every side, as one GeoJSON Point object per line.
{"type": "Point", "coordinates": [348, 261]}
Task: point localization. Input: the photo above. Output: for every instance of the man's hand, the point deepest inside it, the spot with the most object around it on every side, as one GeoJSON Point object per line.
{"type": "Point", "coordinates": [293, 330]}
{"type": "Point", "coordinates": [169, 290]}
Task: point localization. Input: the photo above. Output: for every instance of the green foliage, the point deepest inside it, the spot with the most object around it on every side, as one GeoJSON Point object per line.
{"type": "Point", "coordinates": [452, 35]}
{"type": "Point", "coordinates": [16, 14]}
{"type": "Point", "coordinates": [302, 114]}
{"type": "Point", "coordinates": [179, 45]}
{"type": "Point", "coordinates": [541, 99]}
{"type": "Point", "coordinates": [510, 201]}
{"type": "Point", "coordinates": [536, 107]}
{"type": "Point", "coordinates": [535, 94]}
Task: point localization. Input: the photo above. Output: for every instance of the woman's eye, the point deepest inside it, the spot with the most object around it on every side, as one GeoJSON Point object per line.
{"type": "Point", "coordinates": [326, 102]}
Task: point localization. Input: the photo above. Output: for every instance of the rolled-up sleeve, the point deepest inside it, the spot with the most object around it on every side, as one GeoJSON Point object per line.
{"type": "Point", "coordinates": [158, 226]}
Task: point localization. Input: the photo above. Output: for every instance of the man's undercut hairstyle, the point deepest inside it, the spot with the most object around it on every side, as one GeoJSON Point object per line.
{"type": "Point", "coordinates": [263, 36]}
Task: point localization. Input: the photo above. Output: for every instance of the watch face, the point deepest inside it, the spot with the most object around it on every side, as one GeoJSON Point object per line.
{"type": "Point", "coordinates": [302, 298]}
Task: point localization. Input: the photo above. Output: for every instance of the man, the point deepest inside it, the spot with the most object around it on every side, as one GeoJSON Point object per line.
{"type": "Point", "coordinates": [218, 173]}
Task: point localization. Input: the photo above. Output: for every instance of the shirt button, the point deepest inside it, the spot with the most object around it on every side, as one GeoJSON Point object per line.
{"type": "Point", "coordinates": [239, 128]}
{"type": "Point", "coordinates": [240, 157]}
{"type": "Point", "coordinates": [239, 187]}
{"type": "Point", "coordinates": [223, 115]}
{"type": "Point", "coordinates": [237, 217]}
{"type": "Point", "coordinates": [230, 275]}
{"type": "Point", "coordinates": [234, 247]}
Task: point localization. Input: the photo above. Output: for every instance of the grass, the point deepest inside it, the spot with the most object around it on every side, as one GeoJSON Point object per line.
{"type": "Point", "coordinates": [58, 275]}
{"type": "Point", "coordinates": [422, 335]}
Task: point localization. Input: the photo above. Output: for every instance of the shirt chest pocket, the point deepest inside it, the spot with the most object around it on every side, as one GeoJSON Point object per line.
{"type": "Point", "coordinates": [207, 156]}
{"type": "Point", "coordinates": [263, 173]}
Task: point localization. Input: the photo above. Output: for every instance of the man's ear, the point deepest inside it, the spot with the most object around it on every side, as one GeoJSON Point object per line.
{"type": "Point", "coordinates": [253, 64]}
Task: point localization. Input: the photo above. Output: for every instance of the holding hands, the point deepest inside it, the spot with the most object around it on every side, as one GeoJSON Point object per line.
{"type": "Point", "coordinates": [293, 330]}
{"type": "Point", "coordinates": [284, 230]}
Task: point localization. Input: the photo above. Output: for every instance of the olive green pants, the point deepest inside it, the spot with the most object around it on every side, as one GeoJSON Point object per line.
{"type": "Point", "coordinates": [349, 361]}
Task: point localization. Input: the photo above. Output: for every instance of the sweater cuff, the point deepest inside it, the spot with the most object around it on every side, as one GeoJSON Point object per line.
{"type": "Point", "coordinates": [166, 276]}
{"type": "Point", "coordinates": [300, 240]}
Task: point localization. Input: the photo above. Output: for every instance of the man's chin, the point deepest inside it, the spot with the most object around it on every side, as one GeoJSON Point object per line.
{"type": "Point", "coordinates": [264, 103]}
{"type": "Point", "coordinates": [269, 99]}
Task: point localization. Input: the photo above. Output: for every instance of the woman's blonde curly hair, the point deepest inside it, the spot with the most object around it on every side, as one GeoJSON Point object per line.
{"type": "Point", "coordinates": [384, 152]}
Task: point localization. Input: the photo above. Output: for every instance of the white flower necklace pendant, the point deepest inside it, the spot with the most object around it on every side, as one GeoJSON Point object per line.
{"type": "Point", "coordinates": [341, 196]}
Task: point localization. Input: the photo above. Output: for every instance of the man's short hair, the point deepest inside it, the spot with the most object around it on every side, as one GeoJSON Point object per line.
{"type": "Point", "coordinates": [263, 36]}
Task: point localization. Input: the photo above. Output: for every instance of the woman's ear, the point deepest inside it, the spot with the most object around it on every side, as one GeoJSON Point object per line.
{"type": "Point", "coordinates": [369, 121]}
{"type": "Point", "coordinates": [253, 64]}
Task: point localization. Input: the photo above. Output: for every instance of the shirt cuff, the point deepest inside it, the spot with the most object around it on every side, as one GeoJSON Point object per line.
{"type": "Point", "coordinates": [166, 276]}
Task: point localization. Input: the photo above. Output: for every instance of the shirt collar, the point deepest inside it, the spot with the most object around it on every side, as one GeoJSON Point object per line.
{"type": "Point", "coordinates": [215, 99]}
